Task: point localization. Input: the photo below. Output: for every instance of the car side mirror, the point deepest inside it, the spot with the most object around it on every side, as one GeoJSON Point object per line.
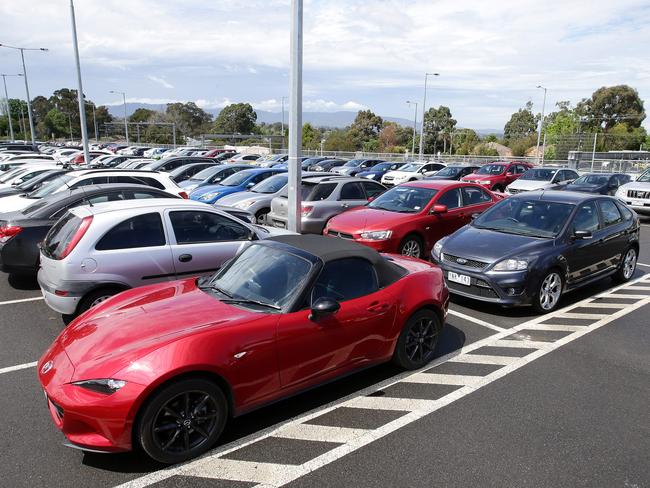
{"type": "Point", "coordinates": [323, 307]}
{"type": "Point", "coordinates": [582, 234]}
{"type": "Point", "coordinates": [509, 173]}
{"type": "Point", "coordinates": [370, 199]}
{"type": "Point", "coordinates": [217, 180]}
{"type": "Point", "coordinates": [439, 209]}
{"type": "Point", "coordinates": [250, 185]}
{"type": "Point", "coordinates": [475, 216]}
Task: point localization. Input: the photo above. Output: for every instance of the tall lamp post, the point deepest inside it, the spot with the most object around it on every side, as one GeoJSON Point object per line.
{"type": "Point", "coordinates": [126, 123]}
{"type": "Point", "coordinates": [294, 213]}
{"type": "Point", "coordinates": [424, 110]}
{"type": "Point", "coordinates": [415, 123]}
{"type": "Point", "coordinates": [541, 123]}
{"type": "Point", "coordinates": [29, 103]}
{"type": "Point", "coordinates": [11, 128]}
{"type": "Point", "coordinates": [80, 90]}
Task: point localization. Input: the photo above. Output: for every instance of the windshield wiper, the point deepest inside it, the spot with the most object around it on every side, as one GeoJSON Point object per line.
{"type": "Point", "coordinates": [251, 302]}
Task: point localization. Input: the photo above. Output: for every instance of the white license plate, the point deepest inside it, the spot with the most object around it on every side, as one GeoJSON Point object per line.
{"type": "Point", "coordinates": [459, 278]}
{"type": "Point", "coordinates": [637, 203]}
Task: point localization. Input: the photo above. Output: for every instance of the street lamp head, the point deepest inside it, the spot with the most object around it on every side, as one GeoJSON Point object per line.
{"type": "Point", "coordinates": [43, 49]}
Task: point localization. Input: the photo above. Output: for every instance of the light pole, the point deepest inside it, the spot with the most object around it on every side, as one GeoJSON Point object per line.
{"type": "Point", "coordinates": [29, 103]}
{"type": "Point", "coordinates": [541, 122]}
{"type": "Point", "coordinates": [415, 123]}
{"type": "Point", "coordinates": [11, 128]}
{"type": "Point", "coordinates": [424, 110]}
{"type": "Point", "coordinates": [282, 123]}
{"type": "Point", "coordinates": [294, 213]}
{"type": "Point", "coordinates": [126, 123]}
{"type": "Point", "coordinates": [80, 90]}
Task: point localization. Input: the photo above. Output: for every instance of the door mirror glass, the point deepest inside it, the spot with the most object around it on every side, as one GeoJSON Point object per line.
{"type": "Point", "coordinates": [250, 185]}
{"type": "Point", "coordinates": [475, 216]}
{"type": "Point", "coordinates": [582, 234]}
{"type": "Point", "coordinates": [439, 209]}
{"type": "Point", "coordinates": [323, 307]}
{"type": "Point", "coordinates": [509, 173]}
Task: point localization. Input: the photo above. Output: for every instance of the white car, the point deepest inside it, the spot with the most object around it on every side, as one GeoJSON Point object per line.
{"type": "Point", "coordinates": [33, 155]}
{"type": "Point", "coordinates": [95, 252]}
{"type": "Point", "coordinates": [9, 165]}
{"type": "Point", "coordinates": [410, 172]}
{"type": "Point", "coordinates": [636, 194]}
{"type": "Point", "coordinates": [21, 174]}
{"type": "Point", "coordinates": [80, 178]}
{"type": "Point", "coordinates": [542, 179]}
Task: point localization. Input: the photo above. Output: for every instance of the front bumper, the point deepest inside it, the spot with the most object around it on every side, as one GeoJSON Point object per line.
{"type": "Point", "coordinates": [507, 288]}
{"type": "Point", "coordinates": [640, 209]}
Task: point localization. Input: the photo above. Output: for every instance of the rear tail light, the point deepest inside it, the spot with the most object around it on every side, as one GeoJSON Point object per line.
{"type": "Point", "coordinates": [306, 210]}
{"type": "Point", "coordinates": [7, 232]}
{"type": "Point", "coordinates": [83, 227]}
{"type": "Point", "coordinates": [184, 194]}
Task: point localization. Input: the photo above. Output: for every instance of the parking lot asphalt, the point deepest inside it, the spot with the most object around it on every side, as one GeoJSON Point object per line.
{"type": "Point", "coordinates": [576, 415]}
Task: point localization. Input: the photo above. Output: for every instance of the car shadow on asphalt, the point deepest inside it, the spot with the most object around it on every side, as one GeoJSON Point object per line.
{"type": "Point", "coordinates": [451, 339]}
{"type": "Point", "coordinates": [20, 282]}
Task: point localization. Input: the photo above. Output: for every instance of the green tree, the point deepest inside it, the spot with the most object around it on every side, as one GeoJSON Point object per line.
{"type": "Point", "coordinates": [612, 105]}
{"type": "Point", "coordinates": [465, 140]}
{"type": "Point", "coordinates": [621, 137]}
{"type": "Point", "coordinates": [522, 124]}
{"type": "Point", "coordinates": [484, 149]}
{"type": "Point", "coordinates": [189, 118]}
{"type": "Point", "coordinates": [394, 138]}
{"type": "Point", "coordinates": [366, 126]}
{"type": "Point", "coordinates": [237, 118]}
{"type": "Point", "coordinates": [340, 140]}
{"type": "Point", "coordinates": [311, 137]}
{"type": "Point", "coordinates": [438, 127]}
{"type": "Point", "coordinates": [56, 124]}
{"type": "Point", "coordinates": [141, 115]}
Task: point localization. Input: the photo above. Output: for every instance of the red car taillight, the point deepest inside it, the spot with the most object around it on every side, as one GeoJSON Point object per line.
{"type": "Point", "coordinates": [7, 232]}
{"type": "Point", "coordinates": [183, 194]}
{"type": "Point", "coordinates": [83, 227]}
{"type": "Point", "coordinates": [306, 210]}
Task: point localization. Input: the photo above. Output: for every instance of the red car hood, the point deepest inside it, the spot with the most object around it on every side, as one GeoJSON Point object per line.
{"type": "Point", "coordinates": [363, 219]}
{"type": "Point", "coordinates": [138, 321]}
{"type": "Point", "coordinates": [475, 177]}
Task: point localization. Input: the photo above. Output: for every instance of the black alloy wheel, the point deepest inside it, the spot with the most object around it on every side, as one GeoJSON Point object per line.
{"type": "Point", "coordinates": [182, 420]}
{"type": "Point", "coordinates": [417, 342]}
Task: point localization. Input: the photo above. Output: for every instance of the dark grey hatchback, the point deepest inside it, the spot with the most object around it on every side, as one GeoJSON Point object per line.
{"type": "Point", "coordinates": [531, 248]}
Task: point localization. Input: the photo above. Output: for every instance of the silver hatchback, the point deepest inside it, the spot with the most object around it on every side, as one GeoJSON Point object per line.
{"type": "Point", "coordinates": [96, 251]}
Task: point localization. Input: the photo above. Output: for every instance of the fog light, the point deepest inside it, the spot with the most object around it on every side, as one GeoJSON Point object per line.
{"type": "Point", "coordinates": [510, 291]}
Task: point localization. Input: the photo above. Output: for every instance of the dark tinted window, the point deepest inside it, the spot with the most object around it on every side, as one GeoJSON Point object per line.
{"type": "Point", "coordinates": [95, 180]}
{"type": "Point", "coordinates": [345, 279]}
{"type": "Point", "coordinates": [610, 213]}
{"type": "Point", "coordinates": [60, 236]}
{"type": "Point", "coordinates": [372, 189]}
{"type": "Point", "coordinates": [586, 218]}
{"type": "Point", "coordinates": [352, 191]}
{"type": "Point", "coordinates": [138, 180]}
{"type": "Point", "coordinates": [145, 194]}
{"type": "Point", "coordinates": [473, 196]}
{"type": "Point", "coordinates": [625, 212]}
{"type": "Point", "coordinates": [141, 231]}
{"type": "Point", "coordinates": [320, 192]}
{"type": "Point", "coordinates": [192, 227]}
{"type": "Point", "coordinates": [451, 198]}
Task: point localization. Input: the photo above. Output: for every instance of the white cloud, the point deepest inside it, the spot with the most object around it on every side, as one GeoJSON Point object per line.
{"type": "Point", "coordinates": [160, 81]}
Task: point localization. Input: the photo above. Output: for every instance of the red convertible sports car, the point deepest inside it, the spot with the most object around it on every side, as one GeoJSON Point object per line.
{"type": "Point", "coordinates": [410, 218]}
{"type": "Point", "coordinates": [163, 367]}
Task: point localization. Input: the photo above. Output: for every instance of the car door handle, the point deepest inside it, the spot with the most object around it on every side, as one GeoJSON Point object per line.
{"type": "Point", "coordinates": [185, 258]}
{"type": "Point", "coordinates": [345, 205]}
{"type": "Point", "coordinates": [377, 307]}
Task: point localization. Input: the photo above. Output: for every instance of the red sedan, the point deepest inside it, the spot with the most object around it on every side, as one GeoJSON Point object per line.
{"type": "Point", "coordinates": [497, 176]}
{"type": "Point", "coordinates": [410, 218]}
{"type": "Point", "coordinates": [165, 366]}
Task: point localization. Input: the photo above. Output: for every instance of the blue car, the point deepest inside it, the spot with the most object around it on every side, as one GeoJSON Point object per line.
{"type": "Point", "coordinates": [212, 176]}
{"type": "Point", "coordinates": [240, 181]}
{"type": "Point", "coordinates": [377, 171]}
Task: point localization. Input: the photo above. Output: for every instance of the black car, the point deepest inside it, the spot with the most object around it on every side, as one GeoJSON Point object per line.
{"type": "Point", "coordinates": [23, 230]}
{"type": "Point", "coordinates": [112, 162]}
{"type": "Point", "coordinates": [185, 172]}
{"type": "Point", "coordinates": [170, 164]}
{"type": "Point", "coordinates": [533, 247]}
{"type": "Point", "coordinates": [33, 183]}
{"type": "Point", "coordinates": [327, 165]}
{"type": "Point", "coordinates": [453, 172]}
{"type": "Point", "coordinates": [600, 183]}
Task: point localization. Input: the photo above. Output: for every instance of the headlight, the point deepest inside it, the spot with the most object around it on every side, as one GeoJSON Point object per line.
{"type": "Point", "coordinates": [106, 386]}
{"type": "Point", "coordinates": [511, 265]}
{"type": "Point", "coordinates": [620, 192]}
{"type": "Point", "coordinates": [377, 235]}
{"type": "Point", "coordinates": [486, 182]}
{"type": "Point", "coordinates": [370, 177]}
{"type": "Point", "coordinates": [437, 248]}
{"type": "Point", "coordinates": [209, 196]}
{"type": "Point", "coordinates": [244, 205]}
{"type": "Point", "coordinates": [190, 187]}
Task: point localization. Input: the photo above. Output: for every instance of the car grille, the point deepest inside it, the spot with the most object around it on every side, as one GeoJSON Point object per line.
{"type": "Point", "coordinates": [468, 263]}
{"type": "Point", "coordinates": [638, 194]}
{"type": "Point", "coordinates": [479, 291]}
{"type": "Point", "coordinates": [342, 235]}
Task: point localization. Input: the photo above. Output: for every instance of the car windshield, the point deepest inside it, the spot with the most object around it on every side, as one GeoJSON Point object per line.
{"type": "Point", "coordinates": [51, 187]}
{"type": "Point", "coordinates": [448, 171]}
{"type": "Point", "coordinates": [353, 163]}
{"type": "Point", "coordinates": [592, 180]}
{"type": "Point", "coordinates": [411, 167]}
{"type": "Point", "coordinates": [11, 174]}
{"type": "Point", "coordinates": [262, 276]}
{"type": "Point", "coordinates": [271, 185]}
{"type": "Point", "coordinates": [206, 173]}
{"type": "Point", "coordinates": [237, 179]}
{"type": "Point", "coordinates": [383, 167]}
{"type": "Point", "coordinates": [645, 177]}
{"type": "Point", "coordinates": [491, 169]}
{"type": "Point", "coordinates": [539, 174]}
{"type": "Point", "coordinates": [403, 199]}
{"type": "Point", "coordinates": [534, 218]}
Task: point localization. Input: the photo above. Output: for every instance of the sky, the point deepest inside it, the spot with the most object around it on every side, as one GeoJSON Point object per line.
{"type": "Point", "coordinates": [358, 54]}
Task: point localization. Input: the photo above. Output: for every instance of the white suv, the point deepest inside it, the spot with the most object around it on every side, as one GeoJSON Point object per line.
{"type": "Point", "coordinates": [94, 252]}
{"type": "Point", "coordinates": [77, 179]}
{"type": "Point", "coordinates": [411, 172]}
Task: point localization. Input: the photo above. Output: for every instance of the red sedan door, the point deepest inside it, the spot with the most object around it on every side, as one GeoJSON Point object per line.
{"type": "Point", "coordinates": [444, 223]}
{"type": "Point", "coordinates": [357, 333]}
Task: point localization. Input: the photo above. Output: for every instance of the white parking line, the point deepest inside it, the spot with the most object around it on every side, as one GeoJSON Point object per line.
{"type": "Point", "coordinates": [22, 300]}
{"type": "Point", "coordinates": [18, 367]}
{"type": "Point", "coordinates": [475, 320]}
{"type": "Point", "coordinates": [641, 264]}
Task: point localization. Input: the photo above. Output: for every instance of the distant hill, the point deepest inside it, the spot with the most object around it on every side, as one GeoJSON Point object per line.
{"type": "Point", "coordinates": [318, 119]}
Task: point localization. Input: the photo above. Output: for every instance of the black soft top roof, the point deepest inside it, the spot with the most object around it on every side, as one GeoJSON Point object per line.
{"type": "Point", "coordinates": [331, 249]}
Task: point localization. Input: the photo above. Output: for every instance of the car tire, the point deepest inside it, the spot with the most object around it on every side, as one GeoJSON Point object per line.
{"type": "Point", "coordinates": [627, 267]}
{"type": "Point", "coordinates": [260, 216]}
{"type": "Point", "coordinates": [497, 188]}
{"type": "Point", "coordinates": [411, 246]}
{"type": "Point", "coordinates": [549, 292]}
{"type": "Point", "coordinates": [95, 297]}
{"type": "Point", "coordinates": [182, 420]}
{"type": "Point", "coordinates": [418, 340]}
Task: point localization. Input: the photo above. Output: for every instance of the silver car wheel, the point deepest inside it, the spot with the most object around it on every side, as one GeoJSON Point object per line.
{"type": "Point", "coordinates": [629, 264]}
{"type": "Point", "coordinates": [99, 300]}
{"type": "Point", "coordinates": [411, 248]}
{"type": "Point", "coordinates": [550, 291]}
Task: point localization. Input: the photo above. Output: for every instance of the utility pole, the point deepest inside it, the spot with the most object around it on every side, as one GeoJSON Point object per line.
{"type": "Point", "coordinates": [424, 110]}
{"type": "Point", "coordinates": [541, 123]}
{"type": "Point", "coordinates": [295, 119]}
{"type": "Point", "coordinates": [80, 92]}
{"type": "Point", "coordinates": [126, 122]}
{"type": "Point", "coordinates": [11, 128]}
